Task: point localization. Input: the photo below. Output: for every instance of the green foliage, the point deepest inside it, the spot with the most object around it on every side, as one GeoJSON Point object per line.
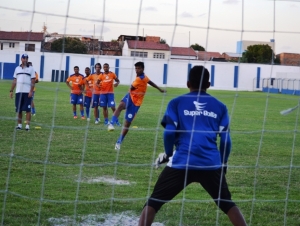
{"type": "Point", "coordinates": [261, 54]}
{"type": "Point", "coordinates": [196, 46]}
{"type": "Point", "coordinates": [277, 60]}
{"type": "Point", "coordinates": [68, 45]}
{"type": "Point", "coordinates": [40, 169]}
{"type": "Point", "coordinates": [163, 41]}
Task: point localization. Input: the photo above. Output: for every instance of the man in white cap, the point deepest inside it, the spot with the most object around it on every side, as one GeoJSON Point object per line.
{"type": "Point", "coordinates": [24, 81]}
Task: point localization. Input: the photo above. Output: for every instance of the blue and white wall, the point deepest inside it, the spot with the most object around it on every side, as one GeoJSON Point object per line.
{"type": "Point", "coordinates": [169, 73]}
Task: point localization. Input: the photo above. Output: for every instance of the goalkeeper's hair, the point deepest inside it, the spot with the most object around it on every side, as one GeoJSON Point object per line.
{"type": "Point", "coordinates": [199, 77]}
{"type": "Point", "coordinates": [140, 64]}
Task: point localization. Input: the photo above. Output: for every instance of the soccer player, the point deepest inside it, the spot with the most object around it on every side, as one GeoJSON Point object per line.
{"type": "Point", "coordinates": [36, 81]}
{"type": "Point", "coordinates": [24, 81]}
{"type": "Point", "coordinates": [76, 88]}
{"type": "Point", "coordinates": [96, 91]}
{"type": "Point", "coordinates": [88, 93]}
{"type": "Point", "coordinates": [132, 101]}
{"type": "Point", "coordinates": [192, 123]}
{"type": "Point", "coordinates": [107, 97]}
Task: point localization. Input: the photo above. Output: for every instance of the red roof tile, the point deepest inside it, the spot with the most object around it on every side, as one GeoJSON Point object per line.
{"type": "Point", "coordinates": [183, 51]}
{"type": "Point", "coordinates": [21, 36]}
{"type": "Point", "coordinates": [132, 44]}
{"type": "Point", "coordinates": [203, 55]}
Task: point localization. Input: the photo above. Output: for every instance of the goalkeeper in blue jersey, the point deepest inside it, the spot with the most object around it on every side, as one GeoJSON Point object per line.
{"type": "Point", "coordinates": [192, 123]}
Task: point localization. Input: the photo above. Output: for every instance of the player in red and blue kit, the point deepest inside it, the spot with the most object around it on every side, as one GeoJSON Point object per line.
{"type": "Point", "coordinates": [192, 124]}
{"type": "Point", "coordinates": [75, 83]}
{"type": "Point", "coordinates": [88, 92]}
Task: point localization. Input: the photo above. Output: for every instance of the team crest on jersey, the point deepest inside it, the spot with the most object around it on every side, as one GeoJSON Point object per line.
{"type": "Point", "coordinates": [200, 110]}
{"type": "Point", "coordinates": [107, 77]}
{"type": "Point", "coordinates": [77, 80]}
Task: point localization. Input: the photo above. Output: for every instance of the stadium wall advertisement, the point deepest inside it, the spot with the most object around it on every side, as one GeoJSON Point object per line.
{"type": "Point", "coordinates": [164, 72]}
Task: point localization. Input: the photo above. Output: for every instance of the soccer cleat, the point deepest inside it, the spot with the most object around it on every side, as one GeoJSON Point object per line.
{"type": "Point", "coordinates": [82, 117]}
{"type": "Point", "coordinates": [118, 146]}
{"type": "Point", "coordinates": [106, 122]}
{"type": "Point", "coordinates": [27, 129]}
{"type": "Point", "coordinates": [18, 128]}
{"type": "Point", "coordinates": [110, 127]}
{"type": "Point", "coordinates": [32, 114]}
{"type": "Point", "coordinates": [118, 124]}
{"type": "Point", "coordinates": [96, 122]}
{"type": "Point", "coordinates": [88, 119]}
{"type": "Point", "coordinates": [75, 117]}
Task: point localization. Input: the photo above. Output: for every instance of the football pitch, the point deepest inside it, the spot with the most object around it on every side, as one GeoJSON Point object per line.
{"type": "Point", "coordinates": [69, 169]}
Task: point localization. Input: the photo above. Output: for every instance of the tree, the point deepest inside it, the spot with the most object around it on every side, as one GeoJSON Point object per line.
{"type": "Point", "coordinates": [196, 46]}
{"type": "Point", "coordinates": [68, 45]}
{"type": "Point", "coordinates": [262, 54]}
{"type": "Point", "coordinates": [163, 41]}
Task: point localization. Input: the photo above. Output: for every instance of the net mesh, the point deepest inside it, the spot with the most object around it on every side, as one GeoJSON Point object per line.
{"type": "Point", "coordinates": [67, 172]}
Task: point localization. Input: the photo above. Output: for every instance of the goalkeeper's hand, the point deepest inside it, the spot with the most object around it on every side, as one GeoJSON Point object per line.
{"type": "Point", "coordinates": [162, 158]}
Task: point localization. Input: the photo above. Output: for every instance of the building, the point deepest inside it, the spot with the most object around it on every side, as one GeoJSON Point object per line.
{"type": "Point", "coordinates": [241, 46]}
{"type": "Point", "coordinates": [289, 59]}
{"type": "Point", "coordinates": [183, 53]}
{"type": "Point", "coordinates": [206, 56]}
{"type": "Point", "coordinates": [110, 48]}
{"type": "Point", "coordinates": [146, 49]}
{"type": "Point", "coordinates": [21, 41]}
{"type": "Point", "coordinates": [233, 57]}
{"type": "Point", "coordinates": [123, 38]}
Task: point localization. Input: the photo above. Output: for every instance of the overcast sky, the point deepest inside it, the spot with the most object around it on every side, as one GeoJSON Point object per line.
{"type": "Point", "coordinates": [216, 25]}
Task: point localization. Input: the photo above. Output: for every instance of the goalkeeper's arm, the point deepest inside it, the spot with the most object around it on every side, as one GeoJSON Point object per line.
{"type": "Point", "coordinates": [169, 140]}
{"type": "Point", "coordinates": [225, 146]}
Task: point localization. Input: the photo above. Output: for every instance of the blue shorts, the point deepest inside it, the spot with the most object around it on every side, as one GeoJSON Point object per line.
{"type": "Point", "coordinates": [23, 102]}
{"type": "Point", "coordinates": [107, 100]}
{"type": "Point", "coordinates": [76, 99]}
{"type": "Point", "coordinates": [131, 109]}
{"type": "Point", "coordinates": [96, 100]}
{"type": "Point", "coordinates": [87, 101]}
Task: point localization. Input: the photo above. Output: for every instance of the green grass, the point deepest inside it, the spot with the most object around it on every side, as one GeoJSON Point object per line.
{"type": "Point", "coordinates": [47, 162]}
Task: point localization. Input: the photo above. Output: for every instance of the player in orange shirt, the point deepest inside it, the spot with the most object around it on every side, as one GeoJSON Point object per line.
{"type": "Point", "coordinates": [96, 91]}
{"type": "Point", "coordinates": [107, 97]}
{"type": "Point", "coordinates": [88, 93]}
{"type": "Point", "coordinates": [76, 88]}
{"type": "Point", "coordinates": [36, 81]}
{"type": "Point", "coordinates": [132, 101]}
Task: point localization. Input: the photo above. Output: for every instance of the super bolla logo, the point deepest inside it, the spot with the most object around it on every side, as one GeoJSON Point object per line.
{"type": "Point", "coordinates": [200, 110]}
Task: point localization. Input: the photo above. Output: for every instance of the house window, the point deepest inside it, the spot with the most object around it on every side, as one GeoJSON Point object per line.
{"type": "Point", "coordinates": [159, 55]}
{"type": "Point", "coordinates": [139, 54]}
{"type": "Point", "coordinates": [11, 45]}
{"type": "Point", "coordinates": [1, 46]}
{"type": "Point", "coordinates": [30, 47]}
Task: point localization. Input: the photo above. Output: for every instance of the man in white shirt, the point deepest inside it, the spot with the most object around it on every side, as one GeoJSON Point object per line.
{"type": "Point", "coordinates": [24, 81]}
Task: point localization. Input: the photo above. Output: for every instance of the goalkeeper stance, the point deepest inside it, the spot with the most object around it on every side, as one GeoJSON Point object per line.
{"type": "Point", "coordinates": [192, 123]}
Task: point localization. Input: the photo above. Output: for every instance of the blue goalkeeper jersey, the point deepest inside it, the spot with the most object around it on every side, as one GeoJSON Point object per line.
{"type": "Point", "coordinates": [198, 119]}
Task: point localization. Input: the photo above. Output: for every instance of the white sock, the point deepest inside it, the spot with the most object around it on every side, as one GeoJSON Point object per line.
{"type": "Point", "coordinates": [27, 127]}
{"type": "Point", "coordinates": [20, 125]}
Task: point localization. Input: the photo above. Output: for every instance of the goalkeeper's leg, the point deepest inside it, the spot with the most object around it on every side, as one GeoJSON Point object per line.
{"type": "Point", "coordinates": [170, 182]}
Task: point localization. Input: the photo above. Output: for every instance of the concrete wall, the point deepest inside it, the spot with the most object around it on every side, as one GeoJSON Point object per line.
{"type": "Point", "coordinates": [224, 76]}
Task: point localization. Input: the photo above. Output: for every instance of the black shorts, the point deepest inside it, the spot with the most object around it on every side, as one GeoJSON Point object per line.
{"type": "Point", "coordinates": [22, 102]}
{"type": "Point", "coordinates": [172, 181]}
